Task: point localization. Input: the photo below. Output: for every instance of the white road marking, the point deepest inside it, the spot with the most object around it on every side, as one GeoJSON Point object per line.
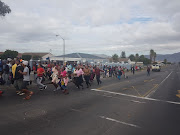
{"type": "Point", "coordinates": [150, 94]}
{"type": "Point", "coordinates": [75, 110]}
{"type": "Point", "coordinates": [124, 99]}
{"type": "Point", "coordinates": [171, 102]}
{"type": "Point", "coordinates": [121, 122]}
{"type": "Point", "coordinates": [145, 98]}
{"type": "Point", "coordinates": [138, 101]}
{"type": "Point", "coordinates": [122, 94]}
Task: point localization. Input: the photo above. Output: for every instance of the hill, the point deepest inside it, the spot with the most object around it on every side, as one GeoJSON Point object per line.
{"type": "Point", "coordinates": [170, 57]}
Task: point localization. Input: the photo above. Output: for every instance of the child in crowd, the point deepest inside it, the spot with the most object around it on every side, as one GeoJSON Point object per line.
{"type": "Point", "coordinates": [64, 83]}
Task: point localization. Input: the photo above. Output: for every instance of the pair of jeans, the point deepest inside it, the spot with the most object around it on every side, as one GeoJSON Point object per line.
{"type": "Point", "coordinates": [148, 73]}
{"type": "Point", "coordinates": [39, 82]}
{"type": "Point", "coordinates": [18, 84]}
{"type": "Point", "coordinates": [6, 79]}
{"type": "Point", "coordinates": [119, 77]}
{"type": "Point", "coordinates": [87, 78]}
{"type": "Point", "coordinates": [98, 79]}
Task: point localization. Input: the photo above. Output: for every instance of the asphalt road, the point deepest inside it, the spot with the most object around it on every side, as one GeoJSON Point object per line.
{"type": "Point", "coordinates": [139, 105]}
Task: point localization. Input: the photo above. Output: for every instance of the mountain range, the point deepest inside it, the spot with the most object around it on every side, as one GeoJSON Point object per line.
{"type": "Point", "coordinates": [170, 57]}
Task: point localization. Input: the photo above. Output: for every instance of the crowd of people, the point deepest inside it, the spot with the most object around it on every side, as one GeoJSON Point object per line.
{"type": "Point", "coordinates": [17, 72]}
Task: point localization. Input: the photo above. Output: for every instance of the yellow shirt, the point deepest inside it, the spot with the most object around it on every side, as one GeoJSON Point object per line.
{"type": "Point", "coordinates": [14, 70]}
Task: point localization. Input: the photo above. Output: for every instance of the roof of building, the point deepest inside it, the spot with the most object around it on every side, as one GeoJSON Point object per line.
{"type": "Point", "coordinates": [123, 59]}
{"type": "Point", "coordinates": [36, 53]}
{"type": "Point", "coordinates": [81, 55]}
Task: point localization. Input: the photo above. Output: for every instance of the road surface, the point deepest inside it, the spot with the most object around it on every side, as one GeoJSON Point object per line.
{"type": "Point", "coordinates": [139, 105]}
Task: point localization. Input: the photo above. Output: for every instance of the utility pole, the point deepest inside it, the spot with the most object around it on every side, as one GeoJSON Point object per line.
{"type": "Point", "coordinates": [63, 48]}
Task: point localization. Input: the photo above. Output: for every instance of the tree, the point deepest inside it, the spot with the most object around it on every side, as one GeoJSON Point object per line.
{"type": "Point", "coordinates": [123, 54]}
{"type": "Point", "coordinates": [4, 9]}
{"type": "Point", "coordinates": [9, 54]}
{"type": "Point", "coordinates": [36, 57]}
{"type": "Point", "coordinates": [151, 54]}
{"type": "Point", "coordinates": [137, 57]}
{"type": "Point", "coordinates": [155, 55]}
{"type": "Point", "coordinates": [146, 61]}
{"type": "Point", "coordinates": [141, 58]}
{"type": "Point", "coordinates": [26, 57]}
{"type": "Point", "coordinates": [165, 61]}
{"type": "Point", "coordinates": [115, 58]}
{"type": "Point", "coordinates": [132, 57]}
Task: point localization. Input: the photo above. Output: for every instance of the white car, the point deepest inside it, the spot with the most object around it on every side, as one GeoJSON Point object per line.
{"type": "Point", "coordinates": [156, 67]}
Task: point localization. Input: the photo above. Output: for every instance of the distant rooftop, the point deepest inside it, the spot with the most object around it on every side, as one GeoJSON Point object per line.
{"type": "Point", "coordinates": [81, 55]}
{"type": "Point", "coordinates": [35, 53]}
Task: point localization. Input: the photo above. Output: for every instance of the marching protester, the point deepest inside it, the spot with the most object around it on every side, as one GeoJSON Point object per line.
{"type": "Point", "coordinates": [18, 78]}
{"type": "Point", "coordinates": [78, 80]}
{"type": "Point", "coordinates": [133, 70]}
{"type": "Point", "coordinates": [64, 83]}
{"type": "Point", "coordinates": [7, 72]}
{"type": "Point", "coordinates": [69, 70]}
{"type": "Point", "coordinates": [55, 78]}
{"type": "Point", "coordinates": [119, 74]}
{"type": "Point", "coordinates": [97, 72]}
{"type": "Point", "coordinates": [35, 71]}
{"type": "Point", "coordinates": [148, 71]}
{"type": "Point", "coordinates": [40, 73]}
{"type": "Point", "coordinates": [26, 80]}
{"type": "Point", "coordinates": [87, 75]}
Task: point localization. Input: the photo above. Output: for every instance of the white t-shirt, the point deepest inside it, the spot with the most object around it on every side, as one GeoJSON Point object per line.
{"type": "Point", "coordinates": [26, 77]}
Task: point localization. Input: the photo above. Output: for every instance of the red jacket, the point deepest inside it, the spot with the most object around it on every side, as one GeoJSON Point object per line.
{"type": "Point", "coordinates": [97, 71]}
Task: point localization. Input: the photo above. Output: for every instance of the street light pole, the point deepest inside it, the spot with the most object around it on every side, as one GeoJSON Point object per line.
{"type": "Point", "coordinates": [63, 48]}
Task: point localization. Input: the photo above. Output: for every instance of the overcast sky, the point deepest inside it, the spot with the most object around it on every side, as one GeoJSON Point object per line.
{"type": "Point", "coordinates": [92, 26]}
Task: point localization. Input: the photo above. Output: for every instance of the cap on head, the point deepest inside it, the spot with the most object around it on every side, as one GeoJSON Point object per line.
{"type": "Point", "coordinates": [25, 63]}
{"type": "Point", "coordinates": [9, 59]}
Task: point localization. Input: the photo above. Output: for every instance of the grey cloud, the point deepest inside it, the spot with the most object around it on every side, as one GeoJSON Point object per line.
{"type": "Point", "coordinates": [93, 26]}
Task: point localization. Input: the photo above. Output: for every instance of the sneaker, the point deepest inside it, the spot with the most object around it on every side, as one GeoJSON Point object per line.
{"type": "Point", "coordinates": [45, 87]}
{"type": "Point", "coordinates": [18, 92]}
{"type": "Point", "coordinates": [21, 94]}
{"type": "Point", "coordinates": [58, 88]}
{"type": "Point", "coordinates": [41, 89]}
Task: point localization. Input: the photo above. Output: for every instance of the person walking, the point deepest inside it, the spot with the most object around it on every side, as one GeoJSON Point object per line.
{"type": "Point", "coordinates": [75, 77]}
{"type": "Point", "coordinates": [14, 69]}
{"type": "Point", "coordinates": [55, 78]}
{"type": "Point", "coordinates": [119, 74]}
{"type": "Point", "coordinates": [35, 71]}
{"type": "Point", "coordinates": [87, 73]}
{"type": "Point", "coordinates": [18, 78]}
{"type": "Point", "coordinates": [40, 73]}
{"type": "Point", "coordinates": [97, 72]}
{"type": "Point", "coordinates": [69, 70]}
{"type": "Point", "coordinates": [79, 73]}
{"type": "Point", "coordinates": [7, 73]}
{"type": "Point", "coordinates": [26, 80]}
{"type": "Point", "coordinates": [148, 71]}
{"type": "Point", "coordinates": [64, 83]}
{"type": "Point", "coordinates": [133, 70]}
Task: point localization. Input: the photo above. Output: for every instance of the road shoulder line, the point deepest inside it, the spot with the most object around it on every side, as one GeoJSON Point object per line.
{"type": "Point", "coordinates": [145, 98]}
{"type": "Point", "coordinates": [154, 90]}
